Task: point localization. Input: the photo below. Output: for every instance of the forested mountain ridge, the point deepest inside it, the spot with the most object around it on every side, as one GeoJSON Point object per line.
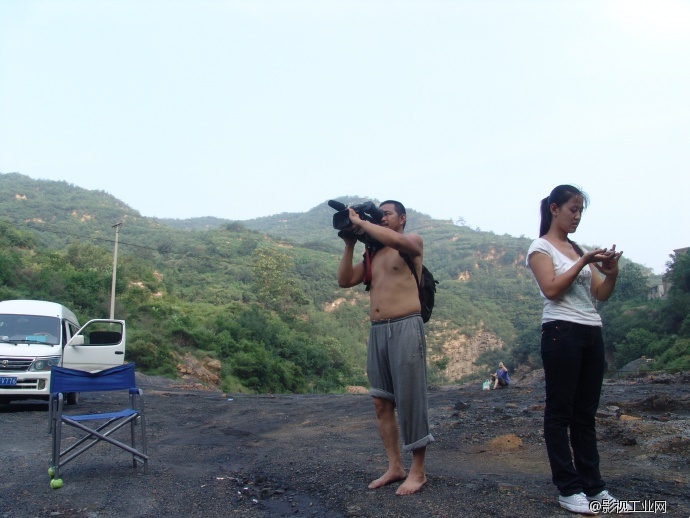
{"type": "Point", "coordinates": [260, 297]}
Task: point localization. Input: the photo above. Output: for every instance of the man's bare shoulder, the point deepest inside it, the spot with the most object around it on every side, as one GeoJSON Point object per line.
{"type": "Point", "coordinates": [412, 244]}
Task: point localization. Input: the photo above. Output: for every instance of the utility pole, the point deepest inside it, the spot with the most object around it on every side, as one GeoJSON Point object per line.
{"type": "Point", "coordinates": [112, 289]}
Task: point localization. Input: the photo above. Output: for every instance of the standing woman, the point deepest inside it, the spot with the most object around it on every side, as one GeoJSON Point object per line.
{"type": "Point", "coordinates": [572, 348]}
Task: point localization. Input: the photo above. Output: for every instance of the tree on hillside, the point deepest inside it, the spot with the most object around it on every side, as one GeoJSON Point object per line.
{"type": "Point", "coordinates": [274, 286]}
{"type": "Point", "coordinates": [677, 309]}
{"type": "Point", "coordinates": [631, 284]}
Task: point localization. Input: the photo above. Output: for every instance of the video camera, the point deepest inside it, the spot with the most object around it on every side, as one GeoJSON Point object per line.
{"type": "Point", "coordinates": [367, 210]}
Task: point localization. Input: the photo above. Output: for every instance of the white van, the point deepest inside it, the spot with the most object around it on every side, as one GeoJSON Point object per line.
{"type": "Point", "coordinates": [35, 335]}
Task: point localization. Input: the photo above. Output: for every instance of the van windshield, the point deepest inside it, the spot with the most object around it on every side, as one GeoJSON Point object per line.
{"type": "Point", "coordinates": [30, 329]}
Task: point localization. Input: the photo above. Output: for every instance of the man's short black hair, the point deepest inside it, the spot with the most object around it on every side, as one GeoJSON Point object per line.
{"type": "Point", "coordinates": [399, 207]}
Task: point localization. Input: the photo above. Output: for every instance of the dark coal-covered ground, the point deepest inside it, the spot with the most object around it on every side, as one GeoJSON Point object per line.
{"type": "Point", "coordinates": [313, 455]}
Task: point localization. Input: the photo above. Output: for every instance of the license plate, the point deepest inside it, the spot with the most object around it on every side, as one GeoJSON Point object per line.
{"type": "Point", "coordinates": [7, 381]}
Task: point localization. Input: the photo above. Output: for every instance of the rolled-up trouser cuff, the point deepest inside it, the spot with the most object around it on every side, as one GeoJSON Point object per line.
{"type": "Point", "coordinates": [374, 392]}
{"type": "Point", "coordinates": [421, 443]}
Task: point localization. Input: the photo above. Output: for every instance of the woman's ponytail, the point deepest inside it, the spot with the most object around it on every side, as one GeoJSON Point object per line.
{"type": "Point", "coordinates": [546, 216]}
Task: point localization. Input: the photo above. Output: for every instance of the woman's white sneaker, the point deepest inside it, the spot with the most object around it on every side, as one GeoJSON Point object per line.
{"type": "Point", "coordinates": [577, 503]}
{"type": "Point", "coordinates": [609, 504]}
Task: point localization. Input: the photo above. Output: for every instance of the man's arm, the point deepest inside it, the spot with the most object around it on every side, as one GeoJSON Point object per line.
{"type": "Point", "coordinates": [410, 244]}
{"type": "Point", "coordinates": [349, 275]}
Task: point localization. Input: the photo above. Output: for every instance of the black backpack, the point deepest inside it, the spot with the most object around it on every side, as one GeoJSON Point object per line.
{"type": "Point", "coordinates": [426, 287]}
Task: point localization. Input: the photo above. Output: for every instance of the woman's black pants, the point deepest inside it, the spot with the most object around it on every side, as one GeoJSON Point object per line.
{"type": "Point", "coordinates": [574, 365]}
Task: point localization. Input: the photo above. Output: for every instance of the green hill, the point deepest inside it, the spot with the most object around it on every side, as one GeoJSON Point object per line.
{"type": "Point", "coordinates": [260, 296]}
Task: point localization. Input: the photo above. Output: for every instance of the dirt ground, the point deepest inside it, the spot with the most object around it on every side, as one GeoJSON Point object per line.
{"type": "Point", "coordinates": [313, 455]}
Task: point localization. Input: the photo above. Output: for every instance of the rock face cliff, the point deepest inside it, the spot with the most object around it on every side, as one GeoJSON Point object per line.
{"type": "Point", "coordinates": [201, 373]}
{"type": "Point", "coordinates": [458, 351]}
{"type": "Point", "coordinates": [451, 351]}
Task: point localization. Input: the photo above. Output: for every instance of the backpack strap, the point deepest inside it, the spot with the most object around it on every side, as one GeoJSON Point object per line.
{"type": "Point", "coordinates": [371, 246]}
{"type": "Point", "coordinates": [409, 262]}
{"type": "Point", "coordinates": [368, 256]}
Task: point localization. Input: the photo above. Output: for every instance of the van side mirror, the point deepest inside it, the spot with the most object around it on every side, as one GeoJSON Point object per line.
{"type": "Point", "coordinates": [76, 340]}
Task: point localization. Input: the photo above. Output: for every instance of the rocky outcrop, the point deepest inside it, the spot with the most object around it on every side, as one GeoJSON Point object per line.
{"type": "Point", "coordinates": [457, 352]}
{"type": "Point", "coordinates": [205, 370]}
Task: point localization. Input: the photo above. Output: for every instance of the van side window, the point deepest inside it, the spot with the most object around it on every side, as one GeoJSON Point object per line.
{"type": "Point", "coordinates": [72, 329]}
{"type": "Point", "coordinates": [68, 330]}
{"type": "Point", "coordinates": [103, 333]}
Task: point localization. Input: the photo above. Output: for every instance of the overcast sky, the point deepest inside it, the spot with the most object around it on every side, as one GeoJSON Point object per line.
{"type": "Point", "coordinates": [471, 109]}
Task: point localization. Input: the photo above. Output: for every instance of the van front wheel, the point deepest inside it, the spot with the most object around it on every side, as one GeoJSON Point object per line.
{"type": "Point", "coordinates": [72, 398]}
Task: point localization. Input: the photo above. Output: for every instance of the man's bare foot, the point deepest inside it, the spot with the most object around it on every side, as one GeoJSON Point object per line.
{"type": "Point", "coordinates": [411, 485]}
{"type": "Point", "coordinates": [388, 477]}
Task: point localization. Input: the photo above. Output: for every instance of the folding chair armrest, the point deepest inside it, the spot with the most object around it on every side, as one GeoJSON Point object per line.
{"type": "Point", "coordinates": [136, 399]}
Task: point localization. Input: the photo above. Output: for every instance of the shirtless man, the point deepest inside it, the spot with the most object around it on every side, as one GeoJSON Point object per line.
{"type": "Point", "coordinates": [396, 350]}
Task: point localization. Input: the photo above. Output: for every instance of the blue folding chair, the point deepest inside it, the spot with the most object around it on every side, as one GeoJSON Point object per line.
{"type": "Point", "coordinates": [64, 380]}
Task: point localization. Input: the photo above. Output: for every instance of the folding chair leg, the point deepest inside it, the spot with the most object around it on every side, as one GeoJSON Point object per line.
{"type": "Point", "coordinates": [143, 443]}
{"type": "Point", "coordinates": [95, 436]}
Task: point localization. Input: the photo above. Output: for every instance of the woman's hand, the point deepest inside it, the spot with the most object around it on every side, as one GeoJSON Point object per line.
{"type": "Point", "coordinates": [602, 289]}
{"type": "Point", "coordinates": [607, 261]}
{"type": "Point", "coordinates": [597, 255]}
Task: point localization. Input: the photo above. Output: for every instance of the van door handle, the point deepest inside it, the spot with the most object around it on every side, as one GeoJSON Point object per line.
{"type": "Point", "coordinates": [119, 352]}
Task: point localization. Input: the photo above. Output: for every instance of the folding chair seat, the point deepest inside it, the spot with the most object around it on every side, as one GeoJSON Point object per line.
{"type": "Point", "coordinates": [95, 427]}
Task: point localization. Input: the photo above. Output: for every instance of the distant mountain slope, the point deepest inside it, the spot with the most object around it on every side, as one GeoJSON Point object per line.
{"type": "Point", "coordinates": [201, 223]}
{"type": "Point", "coordinates": [213, 285]}
{"type": "Point", "coordinates": [61, 212]}
{"type": "Point", "coordinates": [317, 223]}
